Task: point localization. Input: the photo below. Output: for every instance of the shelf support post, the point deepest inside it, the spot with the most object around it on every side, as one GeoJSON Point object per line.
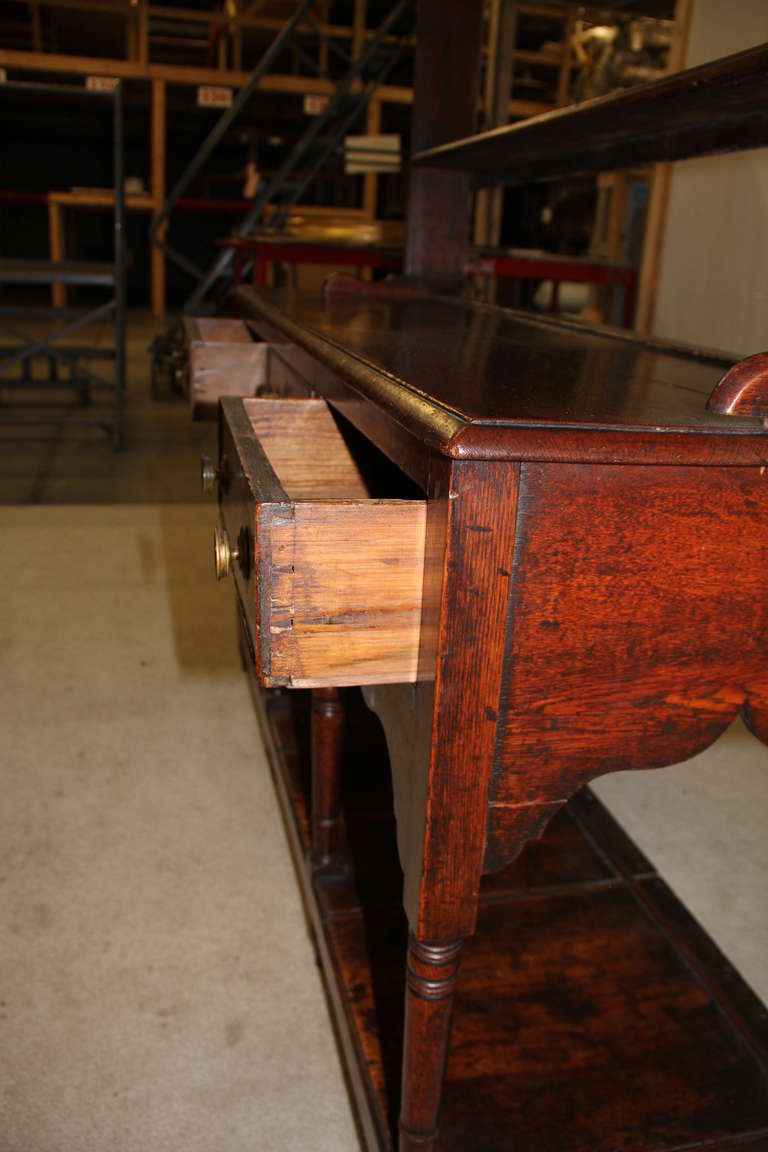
{"type": "Point", "coordinates": [444, 108]}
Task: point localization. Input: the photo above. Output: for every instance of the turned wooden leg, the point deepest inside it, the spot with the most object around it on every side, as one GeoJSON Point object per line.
{"type": "Point", "coordinates": [327, 747]}
{"type": "Point", "coordinates": [430, 981]}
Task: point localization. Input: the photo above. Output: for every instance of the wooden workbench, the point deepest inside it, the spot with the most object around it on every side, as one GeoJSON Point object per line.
{"type": "Point", "coordinates": [95, 200]}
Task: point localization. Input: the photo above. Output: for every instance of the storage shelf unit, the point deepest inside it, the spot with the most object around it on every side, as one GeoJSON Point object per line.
{"type": "Point", "coordinates": [717, 107]}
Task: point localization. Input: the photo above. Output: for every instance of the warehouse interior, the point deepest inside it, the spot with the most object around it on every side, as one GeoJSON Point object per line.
{"type": "Point", "coordinates": [159, 983]}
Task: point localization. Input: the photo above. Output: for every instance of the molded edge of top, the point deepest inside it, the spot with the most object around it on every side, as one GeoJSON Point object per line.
{"type": "Point", "coordinates": [451, 434]}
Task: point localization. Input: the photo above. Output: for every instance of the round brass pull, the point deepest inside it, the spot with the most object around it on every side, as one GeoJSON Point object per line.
{"type": "Point", "coordinates": [208, 474]}
{"type": "Point", "coordinates": [224, 555]}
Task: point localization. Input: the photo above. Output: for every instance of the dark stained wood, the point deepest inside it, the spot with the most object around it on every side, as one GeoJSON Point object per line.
{"type": "Point", "coordinates": [477, 382]}
{"type": "Point", "coordinates": [443, 863]}
{"type": "Point", "coordinates": [445, 103]}
{"type": "Point", "coordinates": [327, 751]}
{"type": "Point", "coordinates": [431, 974]}
{"type": "Point", "coordinates": [595, 566]}
{"type": "Point", "coordinates": [743, 391]}
{"type": "Point", "coordinates": [718, 107]}
{"type": "Point", "coordinates": [441, 887]}
{"type": "Point", "coordinates": [587, 1017]}
{"type": "Point", "coordinates": [576, 617]}
{"type": "Point", "coordinates": [638, 628]}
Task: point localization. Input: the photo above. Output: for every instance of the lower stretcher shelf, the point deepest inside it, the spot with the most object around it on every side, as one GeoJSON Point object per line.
{"type": "Point", "coordinates": [592, 1012]}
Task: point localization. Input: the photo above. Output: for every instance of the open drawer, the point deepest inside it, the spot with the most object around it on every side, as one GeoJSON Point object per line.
{"type": "Point", "coordinates": [330, 576]}
{"type": "Point", "coordinates": [224, 359]}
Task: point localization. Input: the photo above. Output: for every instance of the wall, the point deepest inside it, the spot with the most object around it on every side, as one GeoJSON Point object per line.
{"type": "Point", "coordinates": [713, 283]}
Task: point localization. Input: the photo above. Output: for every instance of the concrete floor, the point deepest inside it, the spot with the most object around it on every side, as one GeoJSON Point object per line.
{"type": "Point", "coordinates": [157, 987]}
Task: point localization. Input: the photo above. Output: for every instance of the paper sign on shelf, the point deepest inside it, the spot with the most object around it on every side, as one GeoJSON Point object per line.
{"type": "Point", "coordinates": [314, 105]}
{"type": "Point", "coordinates": [101, 83]}
{"type": "Point", "coordinates": [209, 96]}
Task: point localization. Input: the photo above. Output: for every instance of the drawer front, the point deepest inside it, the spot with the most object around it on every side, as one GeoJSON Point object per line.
{"type": "Point", "coordinates": [330, 578]}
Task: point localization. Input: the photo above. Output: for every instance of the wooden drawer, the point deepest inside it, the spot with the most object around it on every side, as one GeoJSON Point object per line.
{"type": "Point", "coordinates": [224, 359]}
{"type": "Point", "coordinates": [329, 575]}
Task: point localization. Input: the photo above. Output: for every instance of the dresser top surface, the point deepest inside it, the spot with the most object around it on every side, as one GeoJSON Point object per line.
{"type": "Point", "coordinates": [476, 380]}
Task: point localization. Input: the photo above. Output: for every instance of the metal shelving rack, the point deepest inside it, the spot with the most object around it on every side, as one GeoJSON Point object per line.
{"type": "Point", "coordinates": [74, 359]}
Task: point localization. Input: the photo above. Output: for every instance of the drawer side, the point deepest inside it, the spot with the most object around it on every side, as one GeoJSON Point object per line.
{"type": "Point", "coordinates": [345, 594]}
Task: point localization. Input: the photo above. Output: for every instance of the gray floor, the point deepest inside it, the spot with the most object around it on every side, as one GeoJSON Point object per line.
{"type": "Point", "coordinates": [157, 987]}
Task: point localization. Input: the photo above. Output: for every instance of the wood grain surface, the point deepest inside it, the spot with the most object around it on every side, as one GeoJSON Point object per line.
{"type": "Point", "coordinates": [638, 628]}
{"type": "Point", "coordinates": [743, 391]}
{"type": "Point", "coordinates": [330, 577]}
{"type": "Point", "coordinates": [591, 1013]}
{"type": "Point", "coordinates": [475, 382]}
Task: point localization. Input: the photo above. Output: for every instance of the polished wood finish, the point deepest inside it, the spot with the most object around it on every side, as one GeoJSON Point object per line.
{"type": "Point", "coordinates": [611, 615]}
{"type": "Point", "coordinates": [445, 102]}
{"type": "Point", "coordinates": [594, 596]}
{"type": "Point", "coordinates": [743, 391]}
{"type": "Point", "coordinates": [476, 382]}
{"type": "Point", "coordinates": [717, 107]}
{"type": "Point", "coordinates": [591, 1013]}
{"type": "Point", "coordinates": [327, 757]}
{"type": "Point", "coordinates": [431, 974]}
{"type": "Point", "coordinates": [330, 574]}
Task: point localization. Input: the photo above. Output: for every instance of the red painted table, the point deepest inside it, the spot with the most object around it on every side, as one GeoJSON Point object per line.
{"type": "Point", "coordinates": [263, 250]}
{"type": "Point", "coordinates": [524, 264]}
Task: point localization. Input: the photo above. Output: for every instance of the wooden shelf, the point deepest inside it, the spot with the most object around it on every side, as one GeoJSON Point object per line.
{"type": "Point", "coordinates": [97, 198]}
{"type": "Point", "coordinates": [719, 107]}
{"type": "Point", "coordinates": [584, 965]}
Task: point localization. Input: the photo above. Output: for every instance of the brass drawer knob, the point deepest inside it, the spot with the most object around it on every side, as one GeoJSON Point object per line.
{"type": "Point", "coordinates": [208, 474]}
{"type": "Point", "coordinates": [224, 555]}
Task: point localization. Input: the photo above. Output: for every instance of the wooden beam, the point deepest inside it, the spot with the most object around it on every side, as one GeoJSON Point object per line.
{"type": "Point", "coordinates": [56, 251]}
{"type": "Point", "coordinates": [564, 78]}
{"type": "Point", "coordinates": [371, 179]}
{"type": "Point", "coordinates": [143, 31]}
{"type": "Point", "coordinates": [658, 198]}
{"type": "Point", "coordinates": [236, 32]}
{"type": "Point", "coordinates": [180, 74]}
{"type": "Point", "coordinates": [322, 57]}
{"type": "Point", "coordinates": [158, 191]}
{"type": "Point", "coordinates": [131, 35]}
{"type": "Point", "coordinates": [358, 29]}
{"type": "Point", "coordinates": [37, 39]}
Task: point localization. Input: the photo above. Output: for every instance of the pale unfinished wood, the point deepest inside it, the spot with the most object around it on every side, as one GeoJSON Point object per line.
{"type": "Point", "coordinates": [303, 444]}
{"type": "Point", "coordinates": [224, 360]}
{"type": "Point", "coordinates": [335, 594]}
{"type": "Point", "coordinates": [345, 601]}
